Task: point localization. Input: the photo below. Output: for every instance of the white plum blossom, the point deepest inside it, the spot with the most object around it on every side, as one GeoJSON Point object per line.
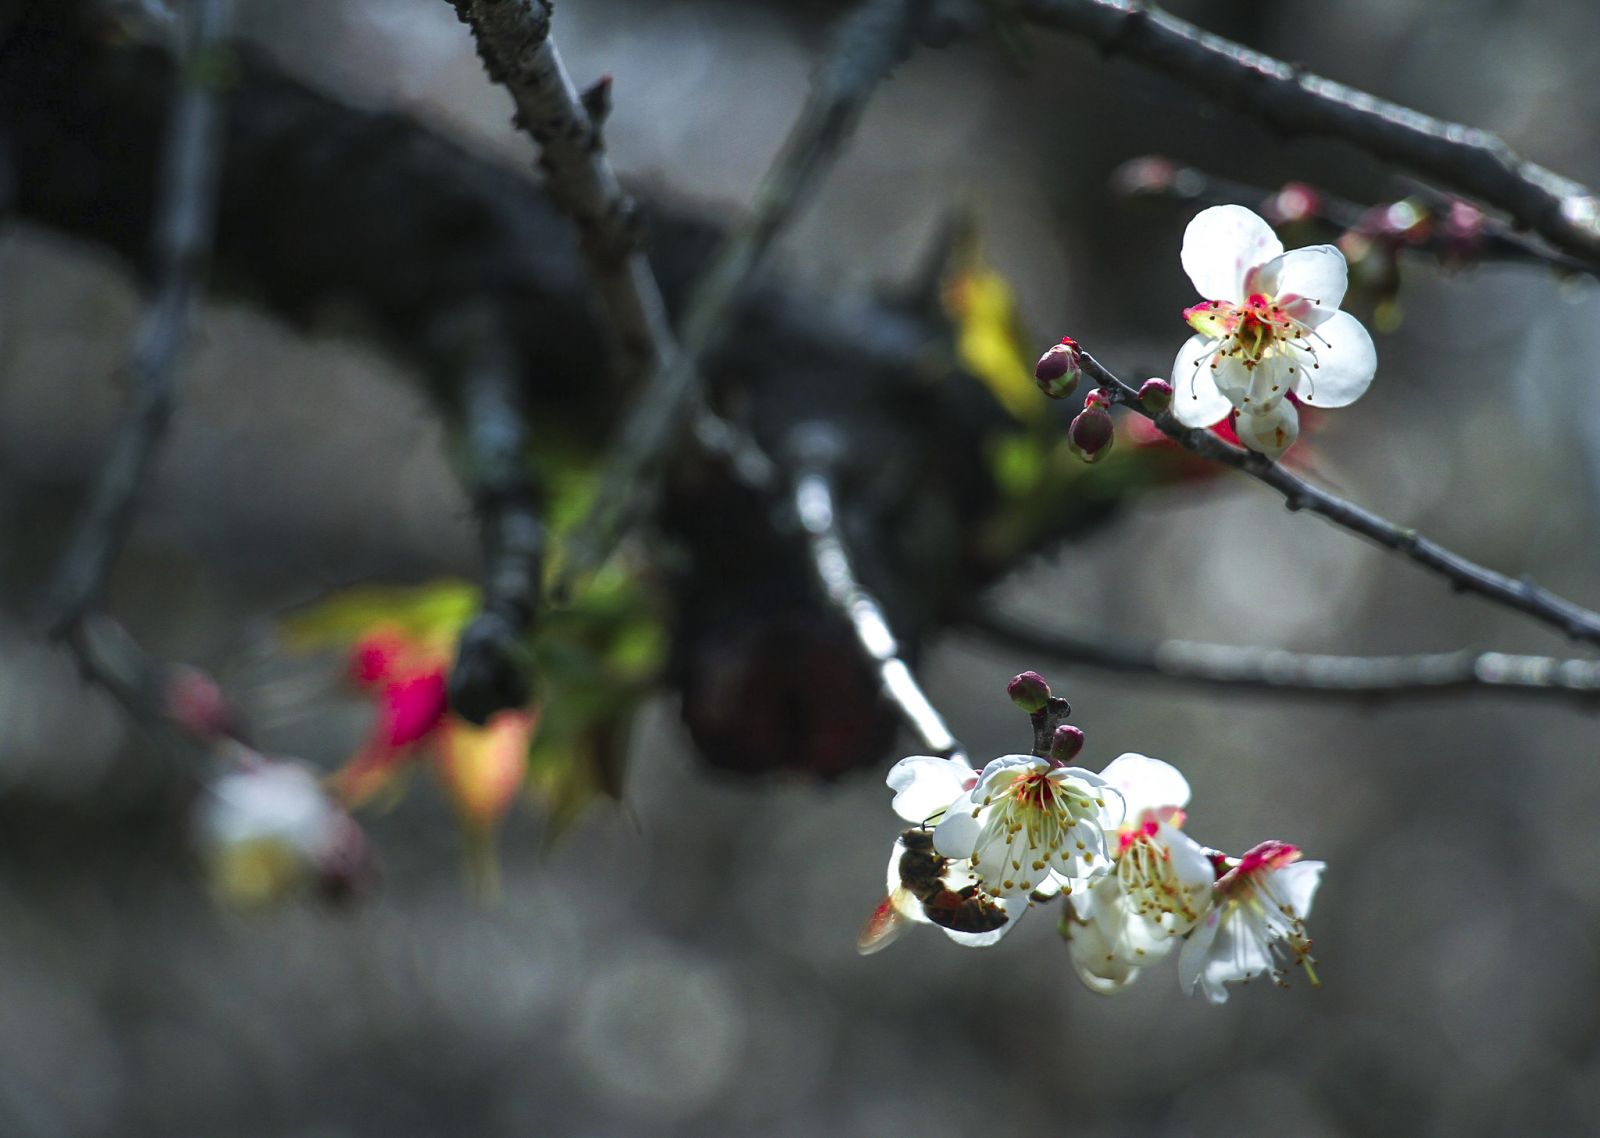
{"type": "Point", "coordinates": [924, 886]}
{"type": "Point", "coordinates": [984, 847]}
{"type": "Point", "coordinates": [1161, 886]}
{"type": "Point", "coordinates": [1256, 920]}
{"type": "Point", "coordinates": [267, 828]}
{"type": "Point", "coordinates": [1269, 324]}
{"type": "Point", "coordinates": [925, 785]}
{"type": "Point", "coordinates": [1031, 825]}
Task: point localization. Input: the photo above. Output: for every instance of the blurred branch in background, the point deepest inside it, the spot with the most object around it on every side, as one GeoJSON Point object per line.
{"type": "Point", "coordinates": [181, 243]}
{"type": "Point", "coordinates": [492, 669]}
{"type": "Point", "coordinates": [1464, 575]}
{"type": "Point", "coordinates": [869, 42]}
{"type": "Point", "coordinates": [514, 41]}
{"type": "Point", "coordinates": [1287, 99]}
{"type": "Point", "coordinates": [1446, 228]}
{"type": "Point", "coordinates": [1367, 678]}
{"type": "Point", "coordinates": [183, 709]}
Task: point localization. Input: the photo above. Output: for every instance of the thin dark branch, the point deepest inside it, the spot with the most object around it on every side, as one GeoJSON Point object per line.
{"type": "Point", "coordinates": [183, 711]}
{"type": "Point", "coordinates": [1277, 671]}
{"type": "Point", "coordinates": [514, 42]}
{"type": "Point", "coordinates": [493, 668]}
{"type": "Point", "coordinates": [866, 47]}
{"type": "Point", "coordinates": [518, 51]}
{"type": "Point", "coordinates": [1463, 159]}
{"type": "Point", "coordinates": [181, 243]}
{"type": "Point", "coordinates": [830, 558]}
{"type": "Point", "coordinates": [1491, 239]}
{"type": "Point", "coordinates": [869, 42]}
{"type": "Point", "coordinates": [1464, 575]}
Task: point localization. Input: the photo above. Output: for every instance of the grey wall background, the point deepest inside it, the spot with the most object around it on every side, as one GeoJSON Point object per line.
{"type": "Point", "coordinates": [686, 966]}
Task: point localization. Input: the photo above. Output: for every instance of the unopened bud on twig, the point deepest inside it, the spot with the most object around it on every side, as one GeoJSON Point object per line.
{"type": "Point", "coordinates": [1058, 369]}
{"type": "Point", "coordinates": [195, 703]}
{"type": "Point", "coordinates": [1066, 743]}
{"type": "Point", "coordinates": [1089, 435]}
{"type": "Point", "coordinates": [1295, 202]}
{"type": "Point", "coordinates": [1156, 395]}
{"type": "Point", "coordinates": [1029, 692]}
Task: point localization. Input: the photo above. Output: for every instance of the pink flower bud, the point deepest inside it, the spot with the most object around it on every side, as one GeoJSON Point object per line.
{"type": "Point", "coordinates": [1149, 175]}
{"type": "Point", "coordinates": [1295, 202]}
{"type": "Point", "coordinates": [1029, 692]}
{"type": "Point", "coordinates": [1066, 743]}
{"type": "Point", "coordinates": [1089, 435]}
{"type": "Point", "coordinates": [1059, 369]}
{"type": "Point", "coordinates": [1156, 395]}
{"type": "Point", "coordinates": [195, 703]}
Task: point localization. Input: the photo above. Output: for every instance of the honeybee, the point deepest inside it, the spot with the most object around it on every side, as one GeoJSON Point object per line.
{"type": "Point", "coordinates": [917, 877]}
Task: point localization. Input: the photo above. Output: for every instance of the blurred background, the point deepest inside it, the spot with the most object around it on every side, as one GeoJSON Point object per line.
{"type": "Point", "coordinates": [685, 964]}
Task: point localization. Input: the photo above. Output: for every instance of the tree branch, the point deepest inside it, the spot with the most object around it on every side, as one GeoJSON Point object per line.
{"type": "Point", "coordinates": [869, 42]}
{"type": "Point", "coordinates": [493, 666]}
{"type": "Point", "coordinates": [813, 500]}
{"type": "Point", "coordinates": [1280, 672]}
{"type": "Point", "coordinates": [1464, 575]}
{"type": "Point", "coordinates": [514, 42]}
{"type": "Point", "coordinates": [1467, 160]}
{"type": "Point", "coordinates": [184, 226]}
{"type": "Point", "coordinates": [1491, 239]}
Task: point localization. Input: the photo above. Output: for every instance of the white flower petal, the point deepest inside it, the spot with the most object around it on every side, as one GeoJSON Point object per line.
{"type": "Point", "coordinates": [1096, 961]}
{"type": "Point", "coordinates": [1271, 432]}
{"type": "Point", "coordinates": [958, 833]}
{"type": "Point", "coordinates": [1189, 859]}
{"type": "Point", "coordinates": [1004, 769]}
{"type": "Point", "coordinates": [1221, 245]}
{"type": "Point", "coordinates": [1005, 863]}
{"type": "Point", "coordinates": [1196, 399]}
{"type": "Point", "coordinates": [1196, 876]}
{"type": "Point", "coordinates": [1196, 949]}
{"type": "Point", "coordinates": [1346, 362]}
{"type": "Point", "coordinates": [1111, 946]}
{"type": "Point", "coordinates": [1309, 283]}
{"type": "Point", "coordinates": [1146, 783]}
{"type": "Point", "coordinates": [980, 940]}
{"type": "Point", "coordinates": [925, 785]}
{"type": "Point", "coordinates": [1296, 885]}
{"type": "Point", "coordinates": [1266, 384]}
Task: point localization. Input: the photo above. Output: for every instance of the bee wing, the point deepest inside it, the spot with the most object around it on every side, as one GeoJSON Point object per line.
{"type": "Point", "coordinates": [883, 928]}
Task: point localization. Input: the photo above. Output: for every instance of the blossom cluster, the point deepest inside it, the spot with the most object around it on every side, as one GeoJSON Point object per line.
{"type": "Point", "coordinates": [986, 846]}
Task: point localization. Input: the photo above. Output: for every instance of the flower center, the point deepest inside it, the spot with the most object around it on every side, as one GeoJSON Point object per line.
{"type": "Point", "coordinates": [1046, 808]}
{"type": "Point", "coordinates": [1035, 819]}
{"type": "Point", "coordinates": [1246, 331]}
{"type": "Point", "coordinates": [1148, 878]}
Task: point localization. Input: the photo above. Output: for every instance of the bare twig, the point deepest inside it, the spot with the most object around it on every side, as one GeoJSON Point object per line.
{"type": "Point", "coordinates": [181, 247]}
{"type": "Point", "coordinates": [1489, 240]}
{"type": "Point", "coordinates": [493, 670]}
{"type": "Point", "coordinates": [1464, 159]}
{"type": "Point", "coordinates": [867, 45]}
{"type": "Point", "coordinates": [830, 558]}
{"type": "Point", "coordinates": [1277, 671]}
{"type": "Point", "coordinates": [1464, 575]}
{"type": "Point", "coordinates": [514, 42]}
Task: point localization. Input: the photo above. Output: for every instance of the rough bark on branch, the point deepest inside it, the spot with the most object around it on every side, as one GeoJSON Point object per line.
{"type": "Point", "coordinates": [1461, 158]}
